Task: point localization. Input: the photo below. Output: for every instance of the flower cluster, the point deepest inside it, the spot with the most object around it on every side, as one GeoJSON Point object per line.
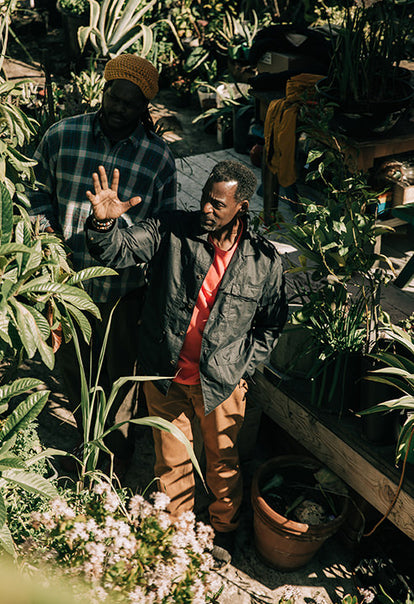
{"type": "Point", "coordinates": [128, 550]}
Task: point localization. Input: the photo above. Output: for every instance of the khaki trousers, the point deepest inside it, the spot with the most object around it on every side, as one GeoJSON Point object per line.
{"type": "Point", "coordinates": [219, 429]}
{"type": "Point", "coordinates": [120, 360]}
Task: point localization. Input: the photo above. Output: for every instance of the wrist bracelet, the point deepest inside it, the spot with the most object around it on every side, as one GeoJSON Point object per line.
{"type": "Point", "coordinates": [102, 225]}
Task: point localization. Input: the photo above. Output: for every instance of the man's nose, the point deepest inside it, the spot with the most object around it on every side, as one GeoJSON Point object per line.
{"type": "Point", "coordinates": [207, 208]}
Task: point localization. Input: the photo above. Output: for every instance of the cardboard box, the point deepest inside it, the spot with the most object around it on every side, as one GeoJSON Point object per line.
{"type": "Point", "coordinates": [402, 194]}
{"type": "Point", "coordinates": [275, 62]}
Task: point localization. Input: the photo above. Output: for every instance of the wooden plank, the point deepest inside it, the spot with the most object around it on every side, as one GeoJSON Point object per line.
{"type": "Point", "coordinates": [189, 193]}
{"type": "Point", "coordinates": [372, 484]}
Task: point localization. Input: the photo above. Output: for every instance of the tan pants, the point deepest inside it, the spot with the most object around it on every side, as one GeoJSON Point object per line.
{"type": "Point", "coordinates": [219, 430]}
{"type": "Point", "coordinates": [120, 360]}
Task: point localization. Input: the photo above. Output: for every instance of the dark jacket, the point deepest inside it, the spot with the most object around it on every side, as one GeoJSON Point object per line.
{"type": "Point", "coordinates": [247, 316]}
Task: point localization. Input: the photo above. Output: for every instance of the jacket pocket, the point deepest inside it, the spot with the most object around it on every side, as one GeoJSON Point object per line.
{"type": "Point", "coordinates": [240, 304]}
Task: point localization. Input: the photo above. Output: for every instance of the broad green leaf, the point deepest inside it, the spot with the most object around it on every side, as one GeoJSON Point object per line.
{"type": "Point", "coordinates": [13, 248]}
{"type": "Point", "coordinates": [130, 38]}
{"type": "Point", "coordinates": [3, 512]}
{"type": "Point", "coordinates": [19, 386]}
{"type": "Point", "coordinates": [83, 304]}
{"type": "Point", "coordinates": [33, 338]}
{"type": "Point", "coordinates": [11, 462]}
{"type": "Point", "coordinates": [46, 353]}
{"type": "Point", "coordinates": [40, 320]}
{"type": "Point", "coordinates": [56, 288]}
{"type": "Point", "coordinates": [6, 540]}
{"type": "Point", "coordinates": [405, 402]}
{"type": "Point", "coordinates": [19, 159]}
{"type": "Point", "coordinates": [25, 324]}
{"type": "Point", "coordinates": [82, 321]}
{"type": "Point", "coordinates": [24, 413]}
{"type": "Point", "coordinates": [35, 257]}
{"type": "Point", "coordinates": [49, 452]}
{"type": "Point", "coordinates": [7, 446]}
{"type": "Point", "coordinates": [129, 20]}
{"type": "Point", "coordinates": [90, 273]}
{"type": "Point", "coordinates": [31, 482]}
{"type": "Point", "coordinates": [6, 215]}
{"type": "Point", "coordinates": [4, 329]}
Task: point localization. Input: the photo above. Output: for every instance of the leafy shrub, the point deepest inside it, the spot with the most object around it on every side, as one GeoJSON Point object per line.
{"type": "Point", "coordinates": [75, 7]}
{"type": "Point", "coordinates": [127, 549]}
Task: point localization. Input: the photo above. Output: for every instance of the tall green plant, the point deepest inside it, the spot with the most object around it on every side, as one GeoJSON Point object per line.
{"type": "Point", "coordinates": [336, 229]}
{"type": "Point", "coordinates": [7, 8]}
{"type": "Point", "coordinates": [116, 26]}
{"type": "Point", "coordinates": [95, 407]}
{"type": "Point", "coordinates": [38, 288]}
{"type": "Point", "coordinates": [367, 45]}
{"type": "Point", "coordinates": [13, 469]}
{"type": "Point", "coordinates": [398, 371]}
{"type": "Point", "coordinates": [236, 35]}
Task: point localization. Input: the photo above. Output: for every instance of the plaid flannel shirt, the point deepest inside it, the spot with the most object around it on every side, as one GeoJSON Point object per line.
{"type": "Point", "coordinates": [67, 155]}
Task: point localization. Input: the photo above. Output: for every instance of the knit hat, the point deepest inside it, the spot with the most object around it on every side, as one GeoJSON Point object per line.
{"type": "Point", "coordinates": [137, 70]}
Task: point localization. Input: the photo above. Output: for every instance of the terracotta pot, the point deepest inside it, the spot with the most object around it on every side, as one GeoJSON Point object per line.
{"type": "Point", "coordinates": [282, 543]}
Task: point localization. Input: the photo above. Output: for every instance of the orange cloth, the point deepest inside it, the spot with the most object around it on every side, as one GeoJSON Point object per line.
{"type": "Point", "coordinates": [280, 128]}
{"type": "Point", "coordinates": [189, 360]}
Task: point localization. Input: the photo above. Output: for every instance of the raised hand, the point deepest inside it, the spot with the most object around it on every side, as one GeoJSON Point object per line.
{"type": "Point", "coordinates": [105, 202]}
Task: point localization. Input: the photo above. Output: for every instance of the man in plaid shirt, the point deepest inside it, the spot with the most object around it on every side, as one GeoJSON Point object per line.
{"type": "Point", "coordinates": [121, 134]}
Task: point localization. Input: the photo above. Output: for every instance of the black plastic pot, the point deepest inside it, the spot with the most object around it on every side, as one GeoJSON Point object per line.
{"type": "Point", "coordinates": [71, 24]}
{"type": "Point", "coordinates": [378, 428]}
{"type": "Point", "coordinates": [369, 118]}
{"type": "Point", "coordinates": [336, 387]}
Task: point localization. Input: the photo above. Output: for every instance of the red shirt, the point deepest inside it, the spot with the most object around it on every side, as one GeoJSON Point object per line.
{"type": "Point", "coordinates": [189, 361]}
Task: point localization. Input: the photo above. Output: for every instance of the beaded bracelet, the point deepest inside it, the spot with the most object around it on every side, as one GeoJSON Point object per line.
{"type": "Point", "coordinates": [102, 225]}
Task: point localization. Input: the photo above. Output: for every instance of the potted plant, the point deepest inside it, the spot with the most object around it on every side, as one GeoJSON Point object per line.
{"type": "Point", "coordinates": [297, 505]}
{"type": "Point", "coordinates": [368, 42]}
{"type": "Point", "coordinates": [74, 14]}
{"type": "Point", "coordinates": [335, 234]}
{"type": "Point", "coordinates": [398, 372]}
{"type": "Point", "coordinates": [115, 27]}
{"type": "Point", "coordinates": [234, 39]}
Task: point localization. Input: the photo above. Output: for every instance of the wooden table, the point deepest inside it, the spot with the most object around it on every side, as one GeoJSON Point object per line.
{"type": "Point", "coordinates": [400, 140]}
{"type": "Point", "coordinates": [341, 447]}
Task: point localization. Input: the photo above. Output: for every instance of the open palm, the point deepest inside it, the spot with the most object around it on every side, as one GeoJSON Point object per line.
{"type": "Point", "coordinates": [106, 203]}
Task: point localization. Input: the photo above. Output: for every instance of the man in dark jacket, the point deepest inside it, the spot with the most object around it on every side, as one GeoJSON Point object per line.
{"type": "Point", "coordinates": [214, 309]}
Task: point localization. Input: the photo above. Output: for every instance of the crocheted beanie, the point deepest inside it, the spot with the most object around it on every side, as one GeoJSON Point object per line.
{"type": "Point", "coordinates": [137, 70]}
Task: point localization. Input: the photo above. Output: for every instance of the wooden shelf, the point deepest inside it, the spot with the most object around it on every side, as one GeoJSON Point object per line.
{"type": "Point", "coordinates": [367, 469]}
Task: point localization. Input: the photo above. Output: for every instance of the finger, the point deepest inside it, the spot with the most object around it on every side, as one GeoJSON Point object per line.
{"type": "Point", "coordinates": [96, 183]}
{"type": "Point", "coordinates": [134, 201]}
{"type": "Point", "coordinates": [104, 178]}
{"type": "Point", "coordinates": [91, 197]}
{"type": "Point", "coordinates": [115, 180]}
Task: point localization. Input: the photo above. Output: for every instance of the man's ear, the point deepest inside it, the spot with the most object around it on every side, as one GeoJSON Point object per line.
{"type": "Point", "coordinates": [244, 207]}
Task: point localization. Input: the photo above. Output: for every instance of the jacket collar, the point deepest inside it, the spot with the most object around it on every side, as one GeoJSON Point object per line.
{"type": "Point", "coordinates": [201, 234]}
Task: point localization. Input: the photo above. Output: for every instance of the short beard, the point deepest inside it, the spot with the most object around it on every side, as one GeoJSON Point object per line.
{"type": "Point", "coordinates": [207, 227]}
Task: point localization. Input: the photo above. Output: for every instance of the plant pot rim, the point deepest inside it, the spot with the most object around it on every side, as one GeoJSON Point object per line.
{"type": "Point", "coordinates": [306, 531]}
{"type": "Point", "coordinates": [363, 106]}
